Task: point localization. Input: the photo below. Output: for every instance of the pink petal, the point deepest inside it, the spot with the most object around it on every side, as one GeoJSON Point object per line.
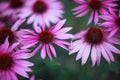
{"type": "Point", "coordinates": [20, 71]}
{"type": "Point", "coordinates": [96, 17]}
{"type": "Point", "coordinates": [94, 55]}
{"type": "Point", "coordinates": [112, 33]}
{"type": "Point", "coordinates": [104, 53]}
{"type": "Point", "coordinates": [91, 17]}
{"type": "Point", "coordinates": [112, 48]}
{"type": "Point", "coordinates": [13, 75]}
{"type": "Point", "coordinates": [106, 23]}
{"type": "Point", "coordinates": [37, 29]}
{"type": "Point", "coordinates": [29, 45]}
{"type": "Point", "coordinates": [17, 24]}
{"type": "Point", "coordinates": [83, 13]}
{"type": "Point", "coordinates": [22, 55]}
{"type": "Point", "coordinates": [85, 54]}
{"type": "Point", "coordinates": [24, 63]}
{"type": "Point", "coordinates": [63, 30]}
{"type": "Point", "coordinates": [79, 35]}
{"type": "Point", "coordinates": [36, 50]}
{"type": "Point", "coordinates": [12, 47]}
{"type": "Point", "coordinates": [59, 25]}
{"type": "Point", "coordinates": [64, 36]}
{"type": "Point", "coordinates": [6, 44]}
{"type": "Point", "coordinates": [98, 55]}
{"type": "Point", "coordinates": [61, 45]}
{"type": "Point", "coordinates": [52, 50]}
{"type": "Point", "coordinates": [80, 53]}
{"type": "Point", "coordinates": [31, 19]}
{"type": "Point", "coordinates": [48, 52]}
{"type": "Point", "coordinates": [43, 52]}
{"type": "Point", "coordinates": [32, 78]}
{"type": "Point", "coordinates": [76, 48]}
{"type": "Point", "coordinates": [109, 53]}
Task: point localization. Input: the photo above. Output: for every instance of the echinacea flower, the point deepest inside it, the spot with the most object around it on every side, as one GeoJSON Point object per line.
{"type": "Point", "coordinates": [94, 42]}
{"type": "Point", "coordinates": [12, 8]}
{"type": "Point", "coordinates": [13, 62]}
{"type": "Point", "coordinates": [112, 22]}
{"type": "Point", "coordinates": [43, 12]}
{"type": "Point", "coordinates": [12, 34]}
{"type": "Point", "coordinates": [45, 38]}
{"type": "Point", "coordinates": [95, 7]}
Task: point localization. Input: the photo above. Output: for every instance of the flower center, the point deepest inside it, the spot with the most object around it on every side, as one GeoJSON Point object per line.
{"type": "Point", "coordinates": [4, 33]}
{"type": "Point", "coordinates": [6, 61]}
{"type": "Point", "coordinates": [95, 4]}
{"type": "Point", "coordinates": [46, 37]}
{"type": "Point", "coordinates": [16, 3]}
{"type": "Point", "coordinates": [40, 6]}
{"type": "Point", "coordinates": [94, 35]}
{"type": "Point", "coordinates": [118, 22]}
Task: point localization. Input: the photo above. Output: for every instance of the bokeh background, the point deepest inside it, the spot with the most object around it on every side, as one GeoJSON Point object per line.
{"type": "Point", "coordinates": [65, 67]}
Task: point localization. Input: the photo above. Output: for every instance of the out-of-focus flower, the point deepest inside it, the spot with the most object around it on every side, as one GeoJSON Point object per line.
{"type": "Point", "coordinates": [12, 34]}
{"type": "Point", "coordinates": [112, 22]}
{"type": "Point", "coordinates": [95, 42]}
{"type": "Point", "coordinates": [45, 38]}
{"type": "Point", "coordinates": [12, 8]}
{"type": "Point", "coordinates": [12, 62]}
{"type": "Point", "coordinates": [43, 12]}
{"type": "Point", "coordinates": [95, 7]}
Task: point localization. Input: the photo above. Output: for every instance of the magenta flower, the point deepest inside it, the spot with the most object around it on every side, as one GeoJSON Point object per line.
{"type": "Point", "coordinates": [45, 38]}
{"type": "Point", "coordinates": [12, 34]}
{"type": "Point", "coordinates": [95, 7]}
{"type": "Point", "coordinates": [12, 62]}
{"type": "Point", "coordinates": [12, 8]}
{"type": "Point", "coordinates": [43, 12]}
{"type": "Point", "coordinates": [112, 22]}
{"type": "Point", "coordinates": [94, 42]}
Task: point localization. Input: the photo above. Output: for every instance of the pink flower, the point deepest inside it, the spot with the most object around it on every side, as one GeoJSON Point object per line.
{"type": "Point", "coordinates": [95, 7]}
{"type": "Point", "coordinates": [43, 12]}
{"type": "Point", "coordinates": [12, 62]}
{"type": "Point", "coordinates": [12, 8]}
{"type": "Point", "coordinates": [112, 22]}
{"type": "Point", "coordinates": [11, 33]}
{"type": "Point", "coordinates": [94, 42]}
{"type": "Point", "coordinates": [44, 38]}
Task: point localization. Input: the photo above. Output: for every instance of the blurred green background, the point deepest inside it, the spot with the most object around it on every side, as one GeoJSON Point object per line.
{"type": "Point", "coordinates": [64, 67]}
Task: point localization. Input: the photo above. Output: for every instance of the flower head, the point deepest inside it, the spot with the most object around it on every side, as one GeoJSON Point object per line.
{"type": "Point", "coordinates": [112, 22]}
{"type": "Point", "coordinates": [12, 33]}
{"type": "Point", "coordinates": [95, 42]}
{"type": "Point", "coordinates": [12, 8]}
{"type": "Point", "coordinates": [96, 7]}
{"type": "Point", "coordinates": [12, 61]}
{"type": "Point", "coordinates": [43, 12]}
{"type": "Point", "coordinates": [45, 38]}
